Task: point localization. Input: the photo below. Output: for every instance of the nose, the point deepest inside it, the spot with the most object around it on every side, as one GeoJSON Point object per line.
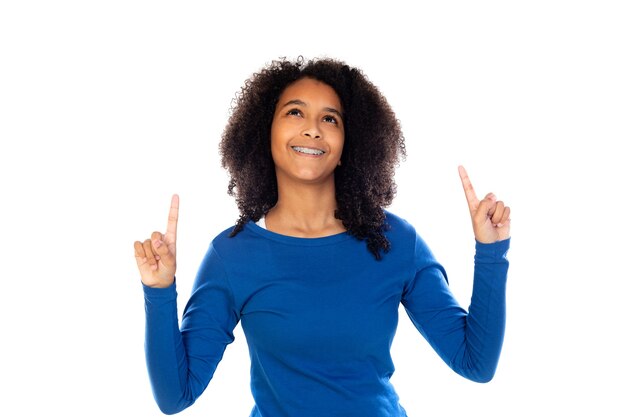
{"type": "Point", "coordinates": [312, 131]}
{"type": "Point", "coordinates": [312, 135]}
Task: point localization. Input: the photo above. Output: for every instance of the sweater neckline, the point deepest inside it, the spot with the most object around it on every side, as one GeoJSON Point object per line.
{"type": "Point", "coordinates": [293, 240]}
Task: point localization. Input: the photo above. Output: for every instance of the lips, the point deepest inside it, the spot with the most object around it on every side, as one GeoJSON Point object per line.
{"type": "Point", "coordinates": [308, 151]}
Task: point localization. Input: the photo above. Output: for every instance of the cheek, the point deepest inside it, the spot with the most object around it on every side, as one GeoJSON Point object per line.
{"type": "Point", "coordinates": [277, 146]}
{"type": "Point", "coordinates": [273, 150]}
{"type": "Point", "coordinates": [274, 138]}
{"type": "Point", "coordinates": [338, 143]}
{"type": "Point", "coordinates": [278, 132]}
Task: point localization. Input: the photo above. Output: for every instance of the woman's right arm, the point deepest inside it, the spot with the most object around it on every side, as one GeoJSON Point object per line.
{"type": "Point", "coordinates": [181, 362]}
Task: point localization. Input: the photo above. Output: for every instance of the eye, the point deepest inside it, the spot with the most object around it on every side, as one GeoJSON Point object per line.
{"type": "Point", "coordinates": [294, 112]}
{"type": "Point", "coordinates": [330, 119]}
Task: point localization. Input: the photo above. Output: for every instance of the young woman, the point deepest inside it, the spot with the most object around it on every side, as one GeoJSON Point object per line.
{"type": "Point", "coordinates": [315, 268]}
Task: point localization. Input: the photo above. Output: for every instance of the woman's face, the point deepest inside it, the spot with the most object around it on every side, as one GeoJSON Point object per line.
{"type": "Point", "coordinates": [307, 132]}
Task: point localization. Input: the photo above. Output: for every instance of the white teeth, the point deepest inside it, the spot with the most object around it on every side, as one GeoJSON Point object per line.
{"type": "Point", "coordinates": [308, 151]}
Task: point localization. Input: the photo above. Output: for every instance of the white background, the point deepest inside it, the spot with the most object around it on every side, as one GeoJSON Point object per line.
{"type": "Point", "coordinates": [107, 108]}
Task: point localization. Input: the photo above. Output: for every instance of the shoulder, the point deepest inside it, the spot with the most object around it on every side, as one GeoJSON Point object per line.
{"type": "Point", "coordinates": [248, 243]}
{"type": "Point", "coordinates": [402, 233]}
{"type": "Point", "coordinates": [398, 228]}
{"type": "Point", "coordinates": [224, 242]}
{"type": "Point", "coordinates": [396, 222]}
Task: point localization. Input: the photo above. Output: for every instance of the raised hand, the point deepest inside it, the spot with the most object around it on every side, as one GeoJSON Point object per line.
{"type": "Point", "coordinates": [490, 217]}
{"type": "Point", "coordinates": [156, 257]}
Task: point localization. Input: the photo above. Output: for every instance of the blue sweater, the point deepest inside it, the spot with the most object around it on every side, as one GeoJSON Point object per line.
{"type": "Point", "coordinates": [319, 316]}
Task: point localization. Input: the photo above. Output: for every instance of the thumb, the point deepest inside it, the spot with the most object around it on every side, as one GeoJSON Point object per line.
{"type": "Point", "coordinates": [486, 208]}
{"type": "Point", "coordinates": [162, 251]}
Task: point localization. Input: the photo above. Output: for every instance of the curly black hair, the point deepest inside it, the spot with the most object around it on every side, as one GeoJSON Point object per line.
{"type": "Point", "coordinates": [373, 144]}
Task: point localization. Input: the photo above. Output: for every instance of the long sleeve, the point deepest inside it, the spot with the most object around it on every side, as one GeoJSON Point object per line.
{"type": "Point", "coordinates": [181, 362]}
{"type": "Point", "coordinates": [319, 316]}
{"type": "Point", "coordinates": [470, 341]}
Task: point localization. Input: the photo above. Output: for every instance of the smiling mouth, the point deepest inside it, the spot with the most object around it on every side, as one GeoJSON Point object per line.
{"type": "Point", "coordinates": [308, 151]}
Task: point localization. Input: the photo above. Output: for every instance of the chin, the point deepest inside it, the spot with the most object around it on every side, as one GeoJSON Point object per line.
{"type": "Point", "coordinates": [314, 177]}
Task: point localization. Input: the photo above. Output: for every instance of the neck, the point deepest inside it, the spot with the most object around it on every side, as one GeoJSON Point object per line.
{"type": "Point", "coordinates": [305, 210]}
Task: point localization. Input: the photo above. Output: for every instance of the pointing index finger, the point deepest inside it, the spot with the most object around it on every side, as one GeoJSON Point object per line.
{"type": "Point", "coordinates": [172, 220]}
{"type": "Point", "coordinates": [470, 194]}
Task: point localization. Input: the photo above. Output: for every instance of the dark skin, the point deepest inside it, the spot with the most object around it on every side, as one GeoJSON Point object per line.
{"type": "Point", "coordinates": [364, 183]}
{"type": "Point", "coordinates": [307, 141]}
{"type": "Point", "coordinates": [156, 257]}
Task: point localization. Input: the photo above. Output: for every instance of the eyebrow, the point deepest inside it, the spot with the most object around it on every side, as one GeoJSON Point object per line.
{"type": "Point", "coordinates": [298, 102]}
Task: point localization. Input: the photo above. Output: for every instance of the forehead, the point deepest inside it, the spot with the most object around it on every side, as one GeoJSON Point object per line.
{"type": "Point", "coordinates": [310, 90]}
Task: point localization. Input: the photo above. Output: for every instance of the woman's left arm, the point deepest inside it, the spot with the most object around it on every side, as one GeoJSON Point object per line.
{"type": "Point", "coordinates": [470, 341]}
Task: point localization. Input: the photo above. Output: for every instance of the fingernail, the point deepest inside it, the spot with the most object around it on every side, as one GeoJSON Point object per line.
{"type": "Point", "coordinates": [157, 243]}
